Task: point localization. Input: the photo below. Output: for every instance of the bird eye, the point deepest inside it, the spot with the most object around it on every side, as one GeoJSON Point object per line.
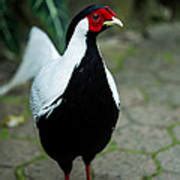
{"type": "Point", "coordinates": [96, 17]}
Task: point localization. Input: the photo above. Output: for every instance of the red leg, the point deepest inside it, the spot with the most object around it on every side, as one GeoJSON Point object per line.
{"type": "Point", "coordinates": [88, 172]}
{"type": "Point", "coordinates": [67, 177]}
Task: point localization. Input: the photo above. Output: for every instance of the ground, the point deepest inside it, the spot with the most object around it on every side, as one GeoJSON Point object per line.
{"type": "Point", "coordinates": [146, 142]}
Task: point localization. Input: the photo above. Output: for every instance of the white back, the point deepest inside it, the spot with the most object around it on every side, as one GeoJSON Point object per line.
{"type": "Point", "coordinates": [40, 51]}
{"type": "Point", "coordinates": [54, 78]}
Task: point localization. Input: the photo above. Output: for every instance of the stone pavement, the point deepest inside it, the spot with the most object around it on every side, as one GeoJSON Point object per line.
{"type": "Point", "coordinates": [146, 142]}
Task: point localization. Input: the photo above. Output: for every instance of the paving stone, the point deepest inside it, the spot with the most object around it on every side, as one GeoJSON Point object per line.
{"type": "Point", "coordinates": [163, 94]}
{"type": "Point", "coordinates": [10, 109]}
{"type": "Point", "coordinates": [123, 121]}
{"type": "Point", "coordinates": [26, 130]}
{"type": "Point", "coordinates": [174, 98]}
{"type": "Point", "coordinates": [109, 51]}
{"type": "Point", "coordinates": [43, 170]}
{"type": "Point", "coordinates": [152, 114]}
{"type": "Point", "coordinates": [177, 132]}
{"type": "Point", "coordinates": [150, 62]}
{"type": "Point", "coordinates": [170, 159]}
{"type": "Point", "coordinates": [143, 138]}
{"type": "Point", "coordinates": [167, 176]}
{"type": "Point", "coordinates": [7, 174]}
{"type": "Point", "coordinates": [14, 152]}
{"type": "Point", "coordinates": [48, 169]}
{"type": "Point", "coordinates": [165, 36]}
{"type": "Point", "coordinates": [122, 166]}
{"type": "Point", "coordinates": [78, 171]}
{"type": "Point", "coordinates": [135, 78]}
{"type": "Point", "coordinates": [156, 93]}
{"type": "Point", "coordinates": [176, 114]}
{"type": "Point", "coordinates": [131, 96]}
{"type": "Point", "coordinates": [170, 73]}
{"type": "Point", "coordinates": [172, 93]}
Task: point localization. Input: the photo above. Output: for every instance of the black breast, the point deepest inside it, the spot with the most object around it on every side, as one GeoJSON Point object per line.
{"type": "Point", "coordinates": [83, 123]}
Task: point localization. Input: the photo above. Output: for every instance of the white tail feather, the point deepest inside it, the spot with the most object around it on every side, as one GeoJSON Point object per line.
{"type": "Point", "coordinates": [40, 51]}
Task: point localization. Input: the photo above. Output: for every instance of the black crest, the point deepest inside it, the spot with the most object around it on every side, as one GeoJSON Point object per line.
{"type": "Point", "coordinates": [78, 18]}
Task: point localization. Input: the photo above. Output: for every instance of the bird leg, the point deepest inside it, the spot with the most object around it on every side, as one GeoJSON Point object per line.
{"type": "Point", "coordinates": [88, 172]}
{"type": "Point", "coordinates": [67, 177]}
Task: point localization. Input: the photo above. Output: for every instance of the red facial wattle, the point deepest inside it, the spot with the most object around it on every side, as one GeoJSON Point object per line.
{"type": "Point", "coordinates": [98, 17]}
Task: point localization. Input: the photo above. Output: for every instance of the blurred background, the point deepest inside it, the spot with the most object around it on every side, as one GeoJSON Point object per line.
{"type": "Point", "coordinates": [18, 16]}
{"type": "Point", "coordinates": [144, 58]}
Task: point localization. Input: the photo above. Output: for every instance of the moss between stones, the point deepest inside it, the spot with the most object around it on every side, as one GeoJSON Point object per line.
{"type": "Point", "coordinates": [19, 170]}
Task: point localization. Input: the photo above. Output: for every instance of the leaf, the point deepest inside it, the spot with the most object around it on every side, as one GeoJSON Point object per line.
{"type": "Point", "coordinates": [54, 16]}
{"type": "Point", "coordinates": [17, 18]}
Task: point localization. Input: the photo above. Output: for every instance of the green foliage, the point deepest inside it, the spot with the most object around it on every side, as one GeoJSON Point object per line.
{"type": "Point", "coordinates": [6, 26]}
{"type": "Point", "coordinates": [53, 13]}
{"type": "Point", "coordinates": [18, 16]}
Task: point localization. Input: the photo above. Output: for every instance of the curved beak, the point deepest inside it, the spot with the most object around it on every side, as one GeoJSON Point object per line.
{"type": "Point", "coordinates": [114, 21]}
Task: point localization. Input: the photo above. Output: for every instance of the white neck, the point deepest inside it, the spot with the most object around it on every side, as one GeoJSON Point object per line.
{"type": "Point", "coordinates": [77, 46]}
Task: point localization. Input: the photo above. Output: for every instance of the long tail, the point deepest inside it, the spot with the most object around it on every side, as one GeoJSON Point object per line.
{"type": "Point", "coordinates": [40, 51]}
